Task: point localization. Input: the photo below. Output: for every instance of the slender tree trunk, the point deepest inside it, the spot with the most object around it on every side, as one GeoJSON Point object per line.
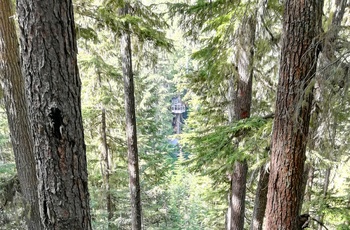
{"type": "Point", "coordinates": [302, 21]}
{"type": "Point", "coordinates": [105, 163]}
{"type": "Point", "coordinates": [303, 186]}
{"type": "Point", "coordinates": [261, 191]}
{"type": "Point", "coordinates": [308, 190]}
{"type": "Point", "coordinates": [242, 104]}
{"type": "Point", "coordinates": [133, 165]}
{"type": "Point", "coordinates": [328, 50]}
{"type": "Point", "coordinates": [308, 193]}
{"type": "Point", "coordinates": [325, 192]}
{"type": "Point", "coordinates": [49, 56]}
{"type": "Point", "coordinates": [327, 58]}
{"type": "Point", "coordinates": [15, 102]}
{"type": "Point", "coordinates": [105, 166]}
{"type": "Point", "coordinates": [260, 200]}
{"type": "Point", "coordinates": [238, 192]}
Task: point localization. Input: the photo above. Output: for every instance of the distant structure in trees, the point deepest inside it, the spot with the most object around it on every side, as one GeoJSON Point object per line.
{"type": "Point", "coordinates": [177, 108]}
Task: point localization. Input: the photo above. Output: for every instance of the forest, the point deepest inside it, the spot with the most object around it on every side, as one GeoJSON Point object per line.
{"type": "Point", "coordinates": [175, 114]}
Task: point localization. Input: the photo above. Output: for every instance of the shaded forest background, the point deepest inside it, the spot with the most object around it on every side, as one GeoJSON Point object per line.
{"type": "Point", "coordinates": [187, 49]}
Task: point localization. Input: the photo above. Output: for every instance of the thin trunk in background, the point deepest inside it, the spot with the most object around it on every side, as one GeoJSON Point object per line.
{"type": "Point", "coordinates": [324, 194]}
{"type": "Point", "coordinates": [326, 60]}
{"type": "Point", "coordinates": [328, 50]}
{"type": "Point", "coordinates": [106, 167]}
{"type": "Point", "coordinates": [131, 134]}
{"type": "Point", "coordinates": [260, 200]}
{"type": "Point", "coordinates": [105, 164]}
{"type": "Point", "coordinates": [49, 57]}
{"type": "Point", "coordinates": [328, 57]}
{"type": "Point", "coordinates": [308, 189]}
{"type": "Point", "coordinates": [303, 185]}
{"type": "Point", "coordinates": [301, 29]}
{"type": "Point", "coordinates": [241, 109]}
{"type": "Point", "coordinates": [12, 84]}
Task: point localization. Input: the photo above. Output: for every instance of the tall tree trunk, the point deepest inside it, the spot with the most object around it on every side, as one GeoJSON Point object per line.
{"type": "Point", "coordinates": [328, 57]}
{"type": "Point", "coordinates": [238, 192]}
{"type": "Point", "coordinates": [242, 104]}
{"type": "Point", "coordinates": [49, 57]}
{"type": "Point", "coordinates": [105, 167]}
{"type": "Point", "coordinates": [131, 134]}
{"type": "Point", "coordinates": [105, 163]}
{"type": "Point", "coordinates": [261, 191]}
{"type": "Point", "coordinates": [15, 102]}
{"type": "Point", "coordinates": [260, 200]}
{"type": "Point", "coordinates": [302, 21]}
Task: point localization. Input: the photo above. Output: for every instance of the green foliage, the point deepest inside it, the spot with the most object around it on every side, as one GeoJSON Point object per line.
{"type": "Point", "coordinates": [215, 149]}
{"type": "Point", "coordinates": [8, 184]}
{"type": "Point", "coordinates": [11, 211]}
{"type": "Point", "coordinates": [103, 88]}
{"type": "Point", "coordinates": [6, 153]}
{"type": "Point", "coordinates": [203, 16]}
{"type": "Point", "coordinates": [186, 205]}
{"type": "Point", "coordinates": [213, 143]}
{"type": "Point", "coordinates": [189, 190]}
{"type": "Point", "coordinates": [86, 33]}
{"type": "Point", "coordinates": [7, 170]}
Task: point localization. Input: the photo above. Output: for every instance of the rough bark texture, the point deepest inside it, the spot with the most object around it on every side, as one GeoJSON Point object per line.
{"type": "Point", "coordinates": [12, 84]}
{"type": "Point", "coordinates": [260, 200]}
{"type": "Point", "coordinates": [49, 57]}
{"type": "Point", "coordinates": [242, 104]}
{"type": "Point", "coordinates": [133, 165]}
{"type": "Point", "coordinates": [302, 20]}
{"type": "Point", "coordinates": [238, 192]}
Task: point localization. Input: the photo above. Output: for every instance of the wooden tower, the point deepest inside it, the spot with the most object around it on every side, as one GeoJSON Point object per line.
{"type": "Point", "coordinates": [177, 108]}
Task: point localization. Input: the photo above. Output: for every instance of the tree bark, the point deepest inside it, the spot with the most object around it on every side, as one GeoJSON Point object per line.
{"type": "Point", "coordinates": [12, 84]}
{"type": "Point", "coordinates": [104, 160]}
{"type": "Point", "coordinates": [49, 57]}
{"type": "Point", "coordinates": [260, 200]}
{"type": "Point", "coordinates": [302, 21]}
{"type": "Point", "coordinates": [131, 133]}
{"type": "Point", "coordinates": [105, 167]}
{"type": "Point", "coordinates": [242, 104]}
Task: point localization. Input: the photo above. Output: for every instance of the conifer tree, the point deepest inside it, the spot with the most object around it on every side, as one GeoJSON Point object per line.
{"type": "Point", "coordinates": [225, 63]}
{"type": "Point", "coordinates": [131, 133]}
{"type": "Point", "coordinates": [293, 104]}
{"type": "Point", "coordinates": [146, 29]}
{"type": "Point", "coordinates": [328, 87]}
{"type": "Point", "coordinates": [12, 84]}
{"type": "Point", "coordinates": [242, 103]}
{"type": "Point", "coordinates": [49, 56]}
